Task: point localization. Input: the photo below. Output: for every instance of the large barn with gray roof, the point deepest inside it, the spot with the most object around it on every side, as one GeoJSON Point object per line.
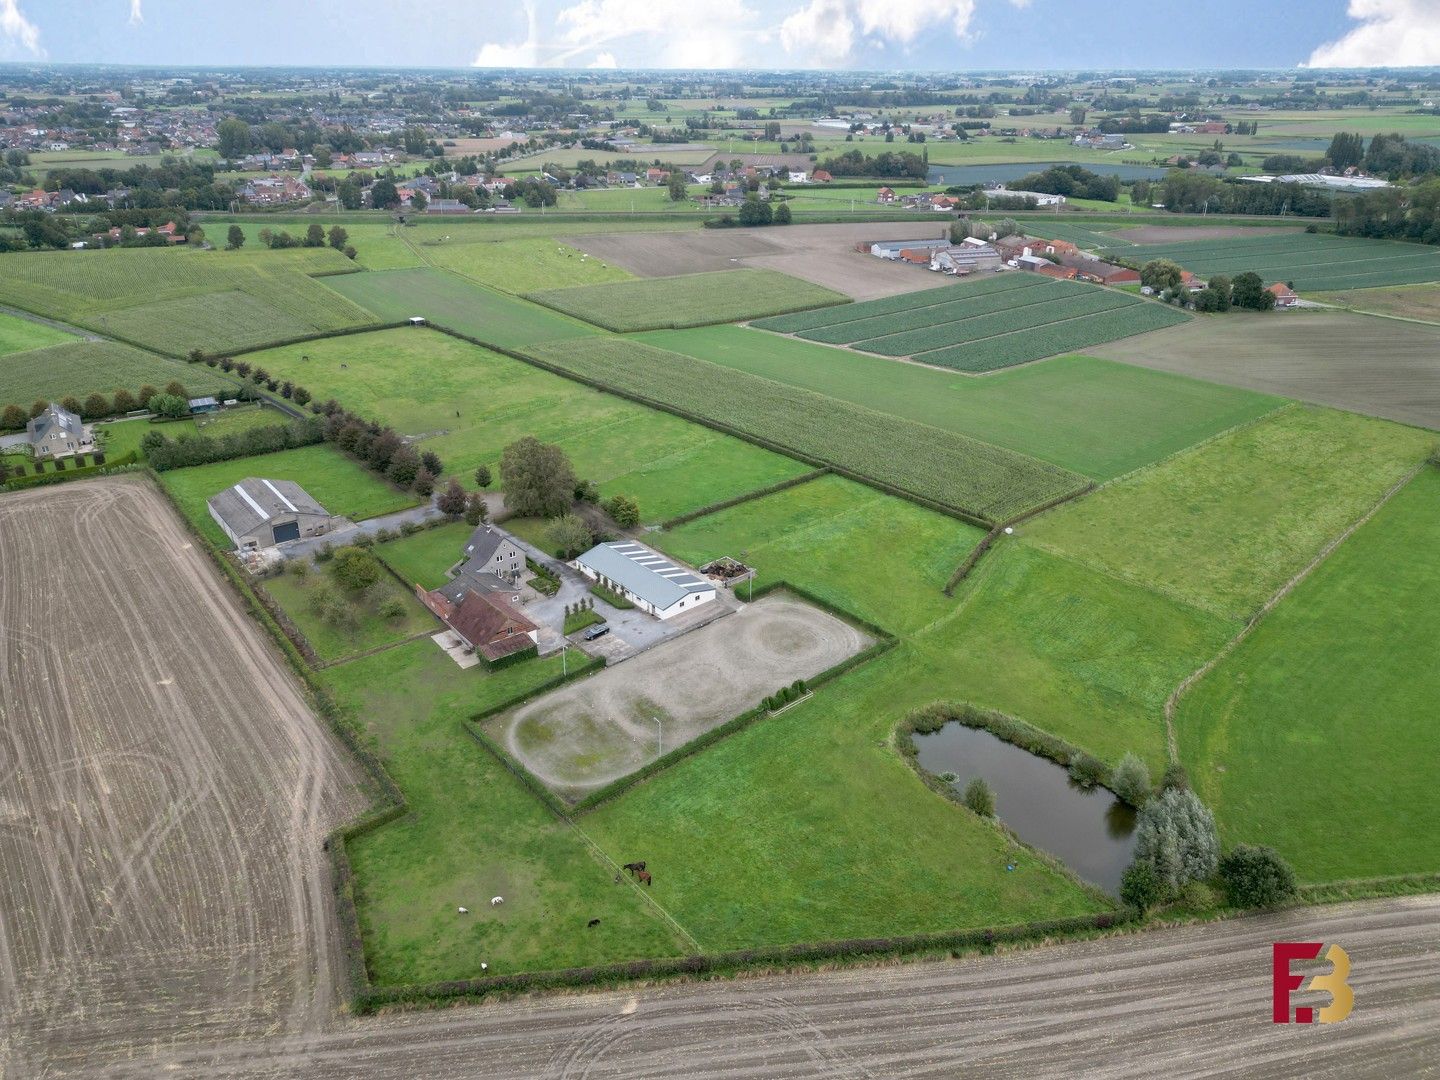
{"type": "Point", "coordinates": [649, 580]}
{"type": "Point", "coordinates": [258, 513]}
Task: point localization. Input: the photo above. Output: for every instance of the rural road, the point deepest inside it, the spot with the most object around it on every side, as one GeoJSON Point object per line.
{"type": "Point", "coordinates": [1185, 1002]}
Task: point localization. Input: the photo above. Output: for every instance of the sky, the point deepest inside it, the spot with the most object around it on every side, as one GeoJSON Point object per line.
{"type": "Point", "coordinates": [873, 35]}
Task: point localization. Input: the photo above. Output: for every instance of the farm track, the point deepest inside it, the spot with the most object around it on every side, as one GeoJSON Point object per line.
{"type": "Point", "coordinates": [1179, 1002]}
{"type": "Point", "coordinates": [164, 791]}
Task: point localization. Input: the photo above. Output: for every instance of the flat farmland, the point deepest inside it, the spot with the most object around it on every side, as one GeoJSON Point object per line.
{"type": "Point", "coordinates": [1006, 320]}
{"type": "Point", "coordinates": [951, 470]}
{"type": "Point", "coordinates": [164, 793]}
{"type": "Point", "coordinates": [687, 300]}
{"type": "Point", "coordinates": [1223, 526]}
{"type": "Point", "coordinates": [823, 254]}
{"type": "Point", "coordinates": [1312, 261]}
{"type": "Point", "coordinates": [1382, 367]}
{"type": "Point", "coordinates": [1097, 417]}
{"type": "Point", "coordinates": [20, 335]}
{"type": "Point", "coordinates": [1403, 301]}
{"type": "Point", "coordinates": [176, 300]}
{"type": "Point", "coordinates": [1325, 714]}
{"type": "Point", "coordinates": [461, 305]}
{"type": "Point", "coordinates": [519, 266]}
{"type": "Point", "coordinates": [89, 367]}
{"type": "Point", "coordinates": [471, 403]}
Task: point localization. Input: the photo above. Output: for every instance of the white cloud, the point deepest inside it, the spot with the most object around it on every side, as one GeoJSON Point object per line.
{"type": "Point", "coordinates": [518, 54]}
{"type": "Point", "coordinates": [1392, 33]}
{"type": "Point", "coordinates": [136, 15]}
{"type": "Point", "coordinates": [17, 29]}
{"type": "Point", "coordinates": [646, 33]}
{"type": "Point", "coordinates": [684, 34]}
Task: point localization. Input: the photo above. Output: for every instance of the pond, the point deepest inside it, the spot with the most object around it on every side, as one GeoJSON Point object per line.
{"type": "Point", "coordinates": [964, 175]}
{"type": "Point", "coordinates": [1091, 831]}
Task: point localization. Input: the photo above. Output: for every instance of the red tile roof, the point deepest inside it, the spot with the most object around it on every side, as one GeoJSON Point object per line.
{"type": "Point", "coordinates": [487, 622]}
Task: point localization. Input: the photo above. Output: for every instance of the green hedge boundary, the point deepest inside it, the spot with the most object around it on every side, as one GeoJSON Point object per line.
{"type": "Point", "coordinates": [884, 642]}
{"type": "Point", "coordinates": [123, 463]}
{"type": "Point", "coordinates": [738, 500]}
{"type": "Point", "coordinates": [744, 436]}
{"type": "Point", "coordinates": [976, 554]}
{"type": "Point", "coordinates": [955, 942]}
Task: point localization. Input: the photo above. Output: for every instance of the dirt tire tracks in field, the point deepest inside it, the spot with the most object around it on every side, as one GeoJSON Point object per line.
{"type": "Point", "coordinates": [1172, 703]}
{"type": "Point", "coordinates": [1178, 1002]}
{"type": "Point", "coordinates": [164, 790]}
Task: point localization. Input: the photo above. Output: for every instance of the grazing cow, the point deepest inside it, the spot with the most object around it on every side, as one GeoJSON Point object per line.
{"type": "Point", "coordinates": [496, 901]}
{"type": "Point", "coordinates": [643, 877]}
{"type": "Point", "coordinates": [464, 911]}
{"type": "Point", "coordinates": [634, 867]}
{"type": "Point", "coordinates": [593, 922]}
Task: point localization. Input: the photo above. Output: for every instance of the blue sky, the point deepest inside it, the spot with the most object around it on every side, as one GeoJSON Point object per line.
{"type": "Point", "coordinates": [864, 34]}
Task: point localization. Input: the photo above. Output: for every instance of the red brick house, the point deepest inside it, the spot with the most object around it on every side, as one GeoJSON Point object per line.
{"type": "Point", "coordinates": [486, 622]}
{"type": "Point", "coordinates": [1284, 295]}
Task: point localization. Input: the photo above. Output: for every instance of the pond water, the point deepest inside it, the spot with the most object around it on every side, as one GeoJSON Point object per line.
{"type": "Point", "coordinates": [964, 175]}
{"type": "Point", "coordinates": [1091, 831]}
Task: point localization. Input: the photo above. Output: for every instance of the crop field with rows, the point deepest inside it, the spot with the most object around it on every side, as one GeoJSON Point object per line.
{"type": "Point", "coordinates": [688, 300]}
{"type": "Point", "coordinates": [175, 301]}
{"type": "Point", "coordinates": [991, 323]}
{"type": "Point", "coordinates": [95, 367]}
{"type": "Point", "coordinates": [812, 320]}
{"type": "Point", "coordinates": [944, 467]}
{"type": "Point", "coordinates": [1309, 260]}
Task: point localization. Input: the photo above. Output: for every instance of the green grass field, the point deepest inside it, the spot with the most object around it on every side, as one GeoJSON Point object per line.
{"type": "Point", "coordinates": [336, 482]}
{"type": "Point", "coordinates": [461, 305]}
{"type": "Point", "coordinates": [474, 831]}
{"type": "Point", "coordinates": [993, 323]}
{"type": "Point", "coordinates": [363, 628]}
{"type": "Point", "coordinates": [95, 367]}
{"type": "Point", "coordinates": [1225, 525]}
{"type": "Point", "coordinates": [21, 335]}
{"type": "Point", "coordinates": [1311, 261]}
{"type": "Point", "coordinates": [177, 300]}
{"type": "Point", "coordinates": [1096, 417]}
{"type": "Point", "coordinates": [520, 266]}
{"type": "Point", "coordinates": [422, 381]}
{"type": "Point", "coordinates": [688, 300]}
{"type": "Point", "coordinates": [422, 559]}
{"type": "Point", "coordinates": [378, 245]}
{"type": "Point", "coordinates": [954, 471]}
{"type": "Point", "coordinates": [1317, 735]}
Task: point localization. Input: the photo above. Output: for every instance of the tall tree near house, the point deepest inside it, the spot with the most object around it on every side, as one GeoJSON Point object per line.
{"type": "Point", "coordinates": [96, 406]}
{"type": "Point", "coordinates": [452, 500]}
{"type": "Point", "coordinates": [14, 417]}
{"type": "Point", "coordinates": [235, 139]}
{"type": "Point", "coordinates": [124, 401]}
{"type": "Point", "coordinates": [676, 184]}
{"type": "Point", "coordinates": [538, 478]}
{"type": "Point", "coordinates": [338, 237]}
{"type": "Point", "coordinates": [384, 195]}
{"type": "Point", "coordinates": [39, 405]}
{"type": "Point", "coordinates": [315, 235]}
{"type": "Point", "coordinates": [418, 202]}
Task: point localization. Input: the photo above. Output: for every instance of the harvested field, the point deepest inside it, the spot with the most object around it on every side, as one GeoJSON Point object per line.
{"type": "Point", "coordinates": [604, 727]}
{"type": "Point", "coordinates": [1181, 234]}
{"type": "Point", "coordinates": [1382, 368]}
{"type": "Point", "coordinates": [164, 790]}
{"type": "Point", "coordinates": [823, 254]}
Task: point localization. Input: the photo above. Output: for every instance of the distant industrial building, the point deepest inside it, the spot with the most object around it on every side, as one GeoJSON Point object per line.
{"type": "Point", "coordinates": [258, 513]}
{"type": "Point", "coordinates": [646, 578]}
{"type": "Point", "coordinates": [965, 258]}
